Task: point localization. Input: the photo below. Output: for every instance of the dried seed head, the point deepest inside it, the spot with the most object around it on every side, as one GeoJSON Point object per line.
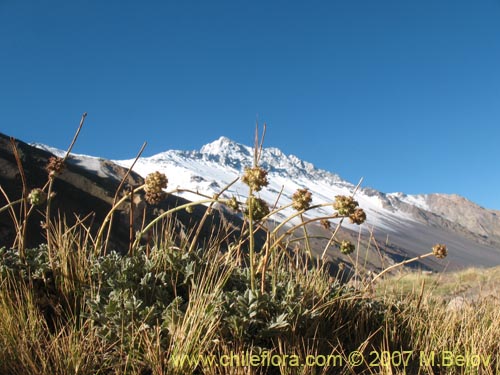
{"type": "Point", "coordinates": [301, 199]}
{"type": "Point", "coordinates": [258, 207]}
{"type": "Point", "coordinates": [255, 178]}
{"type": "Point", "coordinates": [358, 216]}
{"type": "Point", "coordinates": [345, 205]}
{"type": "Point", "coordinates": [155, 198]}
{"type": "Point", "coordinates": [55, 166]}
{"type": "Point", "coordinates": [189, 209]}
{"type": "Point", "coordinates": [233, 203]}
{"type": "Point", "coordinates": [347, 247]}
{"type": "Point", "coordinates": [440, 251]}
{"type": "Point", "coordinates": [325, 224]}
{"type": "Point", "coordinates": [154, 184]}
{"type": "Point", "coordinates": [37, 197]}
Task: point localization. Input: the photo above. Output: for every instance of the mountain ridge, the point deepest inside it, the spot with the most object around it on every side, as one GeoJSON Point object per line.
{"type": "Point", "coordinates": [228, 153]}
{"type": "Point", "coordinates": [409, 222]}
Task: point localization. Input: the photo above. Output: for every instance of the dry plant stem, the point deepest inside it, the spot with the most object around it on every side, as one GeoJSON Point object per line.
{"type": "Point", "coordinates": [251, 230]}
{"type": "Point", "coordinates": [258, 146]}
{"type": "Point", "coordinates": [306, 236]}
{"type": "Point", "coordinates": [264, 265]}
{"type": "Point", "coordinates": [110, 214]}
{"type": "Point", "coordinates": [9, 204]}
{"type": "Point", "coordinates": [205, 215]}
{"type": "Point", "coordinates": [166, 213]}
{"type": "Point", "coordinates": [296, 214]}
{"type": "Point", "coordinates": [302, 238]}
{"type": "Point", "coordinates": [86, 228]}
{"type": "Point", "coordinates": [49, 192]}
{"type": "Point", "coordinates": [82, 120]}
{"type": "Point", "coordinates": [332, 238]}
{"type": "Point", "coordinates": [419, 257]}
{"type": "Point", "coordinates": [420, 296]}
{"type": "Point", "coordinates": [122, 182]}
{"type": "Point", "coordinates": [177, 191]}
{"type": "Point", "coordinates": [131, 224]}
{"type": "Point", "coordinates": [47, 221]}
{"type": "Point", "coordinates": [252, 243]}
{"type": "Point", "coordinates": [358, 268]}
{"type": "Point", "coordinates": [288, 219]}
{"type": "Point", "coordinates": [278, 198]}
{"type": "Point", "coordinates": [21, 235]}
{"type": "Point", "coordinates": [372, 239]}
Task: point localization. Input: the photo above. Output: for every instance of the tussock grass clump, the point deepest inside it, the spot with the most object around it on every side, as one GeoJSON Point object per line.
{"type": "Point", "coordinates": [440, 331]}
{"type": "Point", "coordinates": [171, 304]}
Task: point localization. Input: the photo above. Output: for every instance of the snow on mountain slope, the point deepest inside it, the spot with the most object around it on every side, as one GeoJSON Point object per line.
{"type": "Point", "coordinates": [410, 223]}
{"type": "Point", "coordinates": [415, 200]}
{"type": "Point", "coordinates": [219, 163]}
{"type": "Point", "coordinates": [100, 166]}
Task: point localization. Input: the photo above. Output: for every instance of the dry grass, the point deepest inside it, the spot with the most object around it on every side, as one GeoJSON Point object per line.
{"type": "Point", "coordinates": [30, 346]}
{"type": "Point", "coordinates": [447, 315]}
{"type": "Point", "coordinates": [472, 283]}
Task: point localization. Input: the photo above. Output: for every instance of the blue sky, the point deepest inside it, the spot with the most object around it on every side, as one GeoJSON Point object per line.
{"type": "Point", "coordinates": [403, 93]}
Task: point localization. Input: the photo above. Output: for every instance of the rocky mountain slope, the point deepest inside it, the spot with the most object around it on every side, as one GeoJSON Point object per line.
{"type": "Point", "coordinates": [404, 225]}
{"type": "Point", "coordinates": [398, 226]}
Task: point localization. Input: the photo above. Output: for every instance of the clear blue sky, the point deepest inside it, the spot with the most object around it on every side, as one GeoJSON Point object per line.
{"type": "Point", "coordinates": [403, 93]}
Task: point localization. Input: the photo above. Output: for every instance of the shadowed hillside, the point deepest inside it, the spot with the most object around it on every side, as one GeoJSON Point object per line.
{"type": "Point", "coordinates": [81, 193]}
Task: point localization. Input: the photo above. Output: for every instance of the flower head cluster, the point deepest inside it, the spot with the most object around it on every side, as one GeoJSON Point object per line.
{"type": "Point", "coordinates": [255, 178]}
{"type": "Point", "coordinates": [37, 197]}
{"type": "Point", "coordinates": [358, 216]}
{"type": "Point", "coordinates": [440, 251]}
{"type": "Point", "coordinates": [258, 207]}
{"type": "Point", "coordinates": [347, 206]}
{"type": "Point", "coordinates": [154, 184]}
{"type": "Point", "coordinates": [347, 247]}
{"type": "Point", "coordinates": [233, 203]}
{"type": "Point", "coordinates": [55, 166]}
{"type": "Point", "coordinates": [301, 199]}
{"type": "Point", "coordinates": [325, 224]}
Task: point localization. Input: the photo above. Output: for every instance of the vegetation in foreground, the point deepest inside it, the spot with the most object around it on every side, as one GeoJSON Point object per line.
{"type": "Point", "coordinates": [186, 306]}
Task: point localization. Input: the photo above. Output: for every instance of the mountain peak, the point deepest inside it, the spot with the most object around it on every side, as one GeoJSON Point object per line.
{"type": "Point", "coordinates": [216, 145]}
{"type": "Point", "coordinates": [224, 146]}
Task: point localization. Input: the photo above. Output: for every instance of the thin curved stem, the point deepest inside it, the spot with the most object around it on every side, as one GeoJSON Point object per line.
{"type": "Point", "coordinates": [401, 264]}
{"type": "Point", "coordinates": [159, 217]}
{"type": "Point", "coordinates": [110, 214]}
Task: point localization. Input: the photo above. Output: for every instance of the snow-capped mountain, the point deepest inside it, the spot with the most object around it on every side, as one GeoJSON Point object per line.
{"type": "Point", "coordinates": [412, 224]}
{"type": "Point", "coordinates": [219, 163]}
